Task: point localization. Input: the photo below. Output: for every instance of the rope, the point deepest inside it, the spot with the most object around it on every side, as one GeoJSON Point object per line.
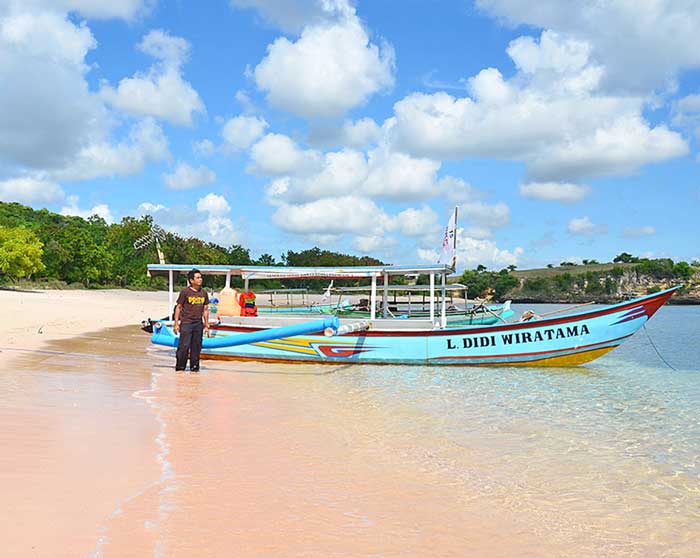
{"type": "Point", "coordinates": [657, 350]}
{"type": "Point", "coordinates": [567, 308]}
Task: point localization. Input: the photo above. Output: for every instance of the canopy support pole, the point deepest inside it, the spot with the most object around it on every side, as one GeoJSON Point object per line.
{"type": "Point", "coordinates": [432, 298]}
{"type": "Point", "coordinates": [170, 293]}
{"type": "Point", "coordinates": [373, 299]}
{"type": "Point", "coordinates": [443, 309]}
{"type": "Point", "coordinates": [385, 297]}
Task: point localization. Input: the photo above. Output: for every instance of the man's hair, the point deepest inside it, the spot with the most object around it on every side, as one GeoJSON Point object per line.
{"type": "Point", "coordinates": [191, 273]}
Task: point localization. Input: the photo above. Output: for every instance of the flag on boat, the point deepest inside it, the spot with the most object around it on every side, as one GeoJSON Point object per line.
{"type": "Point", "coordinates": [448, 254]}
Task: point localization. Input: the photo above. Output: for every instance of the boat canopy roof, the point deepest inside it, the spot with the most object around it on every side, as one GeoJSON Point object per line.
{"type": "Point", "coordinates": [399, 288]}
{"type": "Point", "coordinates": [275, 272]}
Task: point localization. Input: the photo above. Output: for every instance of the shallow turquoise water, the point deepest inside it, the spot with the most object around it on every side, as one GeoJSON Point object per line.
{"type": "Point", "coordinates": [604, 456]}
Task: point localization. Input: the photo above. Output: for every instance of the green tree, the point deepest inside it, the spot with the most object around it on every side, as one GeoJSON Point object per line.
{"type": "Point", "coordinates": [504, 282]}
{"type": "Point", "coordinates": [682, 270]}
{"type": "Point", "coordinates": [593, 285]}
{"type": "Point", "coordinates": [563, 281]}
{"type": "Point", "coordinates": [661, 268]}
{"type": "Point", "coordinates": [479, 282]}
{"type": "Point", "coordinates": [81, 259]}
{"type": "Point", "coordinates": [625, 257]}
{"type": "Point", "coordinates": [20, 252]}
{"type": "Point", "coordinates": [536, 285]}
{"type": "Point", "coordinates": [128, 266]}
{"type": "Point", "coordinates": [266, 260]}
{"type": "Point", "coordinates": [237, 255]}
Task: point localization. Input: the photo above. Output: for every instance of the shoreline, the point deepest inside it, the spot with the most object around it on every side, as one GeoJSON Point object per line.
{"type": "Point", "coordinates": [112, 453]}
{"type": "Point", "coordinates": [130, 450]}
{"type": "Point", "coordinates": [37, 317]}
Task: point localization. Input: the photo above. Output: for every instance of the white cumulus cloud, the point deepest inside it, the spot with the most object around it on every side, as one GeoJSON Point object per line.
{"type": "Point", "coordinates": [585, 227]}
{"type": "Point", "coordinates": [101, 210]}
{"type": "Point", "coordinates": [551, 115]}
{"type": "Point", "coordinates": [127, 10]}
{"type": "Point", "coordinates": [241, 132]}
{"type": "Point", "coordinates": [565, 192]}
{"type": "Point", "coordinates": [277, 154]}
{"type": "Point", "coordinates": [209, 220]}
{"type": "Point", "coordinates": [327, 71]}
{"type": "Point", "coordinates": [30, 190]}
{"type": "Point", "coordinates": [344, 215]}
{"type": "Point", "coordinates": [161, 92]}
{"type": "Point", "coordinates": [484, 215]}
{"type": "Point", "coordinates": [360, 133]}
{"type": "Point", "coordinates": [636, 232]}
{"type": "Point", "coordinates": [294, 16]}
{"type": "Point", "coordinates": [147, 208]}
{"type": "Point", "coordinates": [203, 148]}
{"type": "Point", "coordinates": [472, 252]}
{"type": "Point", "coordinates": [186, 177]}
{"type": "Point", "coordinates": [380, 173]}
{"type": "Point", "coordinates": [214, 205]}
{"type": "Point", "coordinates": [145, 143]}
{"type": "Point", "coordinates": [421, 222]}
{"type": "Point", "coordinates": [643, 46]}
{"type": "Point", "coordinates": [48, 113]}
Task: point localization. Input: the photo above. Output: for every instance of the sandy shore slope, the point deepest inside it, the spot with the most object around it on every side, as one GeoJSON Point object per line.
{"type": "Point", "coordinates": [33, 318]}
{"type": "Point", "coordinates": [107, 452]}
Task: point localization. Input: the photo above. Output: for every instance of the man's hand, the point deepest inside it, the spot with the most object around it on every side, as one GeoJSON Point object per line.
{"type": "Point", "coordinates": [176, 319]}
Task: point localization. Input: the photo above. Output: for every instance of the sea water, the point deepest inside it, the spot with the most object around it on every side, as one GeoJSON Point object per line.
{"type": "Point", "coordinates": [109, 452]}
{"type": "Point", "coordinates": [604, 457]}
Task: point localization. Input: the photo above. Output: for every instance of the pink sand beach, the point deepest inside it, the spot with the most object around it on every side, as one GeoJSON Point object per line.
{"type": "Point", "coordinates": [108, 452]}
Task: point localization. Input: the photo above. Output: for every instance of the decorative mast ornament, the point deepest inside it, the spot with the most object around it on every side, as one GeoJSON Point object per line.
{"type": "Point", "coordinates": [155, 235]}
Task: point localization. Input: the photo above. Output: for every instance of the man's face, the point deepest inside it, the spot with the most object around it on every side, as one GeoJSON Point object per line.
{"type": "Point", "coordinates": [197, 280]}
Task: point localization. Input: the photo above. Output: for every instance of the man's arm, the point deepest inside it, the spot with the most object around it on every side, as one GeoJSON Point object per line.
{"type": "Point", "coordinates": [205, 316]}
{"type": "Point", "coordinates": [176, 318]}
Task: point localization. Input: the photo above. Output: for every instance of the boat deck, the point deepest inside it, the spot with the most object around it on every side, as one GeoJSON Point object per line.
{"type": "Point", "coordinates": [388, 324]}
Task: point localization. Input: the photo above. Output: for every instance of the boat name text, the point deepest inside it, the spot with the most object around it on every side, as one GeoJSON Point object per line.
{"type": "Point", "coordinates": [518, 337]}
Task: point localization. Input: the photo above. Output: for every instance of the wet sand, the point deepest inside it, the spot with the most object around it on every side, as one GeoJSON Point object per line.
{"type": "Point", "coordinates": [109, 452]}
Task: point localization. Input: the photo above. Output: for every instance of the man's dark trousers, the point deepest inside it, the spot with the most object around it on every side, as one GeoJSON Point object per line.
{"type": "Point", "coordinates": [190, 344]}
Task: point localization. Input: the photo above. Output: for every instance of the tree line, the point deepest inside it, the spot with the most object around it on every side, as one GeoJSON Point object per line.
{"type": "Point", "coordinates": [53, 249]}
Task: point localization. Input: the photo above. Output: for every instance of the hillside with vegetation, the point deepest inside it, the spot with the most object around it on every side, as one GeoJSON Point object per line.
{"type": "Point", "coordinates": [39, 248]}
{"type": "Point", "coordinates": [625, 277]}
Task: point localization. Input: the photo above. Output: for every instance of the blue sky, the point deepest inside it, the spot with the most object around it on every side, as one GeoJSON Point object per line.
{"type": "Point", "coordinates": [562, 132]}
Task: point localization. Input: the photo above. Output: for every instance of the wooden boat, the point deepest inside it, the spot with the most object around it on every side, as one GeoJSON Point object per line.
{"type": "Point", "coordinates": [563, 340]}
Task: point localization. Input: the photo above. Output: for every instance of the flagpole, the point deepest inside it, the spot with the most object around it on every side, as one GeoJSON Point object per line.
{"type": "Point", "coordinates": [454, 259]}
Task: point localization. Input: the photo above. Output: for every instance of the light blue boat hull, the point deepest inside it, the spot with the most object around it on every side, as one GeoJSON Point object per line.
{"type": "Point", "coordinates": [561, 341]}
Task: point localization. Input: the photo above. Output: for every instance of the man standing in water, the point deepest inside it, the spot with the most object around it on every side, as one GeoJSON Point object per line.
{"type": "Point", "coordinates": [191, 320]}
